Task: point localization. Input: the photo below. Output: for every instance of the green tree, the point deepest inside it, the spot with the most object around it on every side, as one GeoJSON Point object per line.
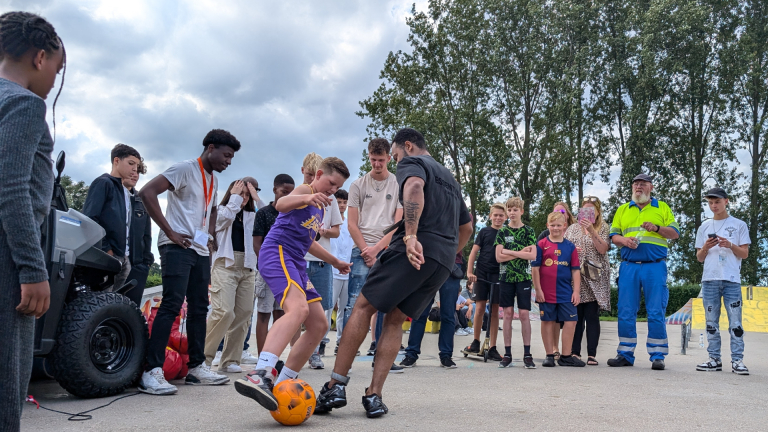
{"type": "Point", "coordinates": [749, 104]}
{"type": "Point", "coordinates": [76, 192]}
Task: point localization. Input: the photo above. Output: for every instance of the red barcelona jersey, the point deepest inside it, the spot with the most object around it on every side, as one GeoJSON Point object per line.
{"type": "Point", "coordinates": [555, 262]}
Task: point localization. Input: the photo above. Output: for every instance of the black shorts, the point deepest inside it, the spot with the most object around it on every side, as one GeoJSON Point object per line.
{"type": "Point", "coordinates": [482, 290]}
{"type": "Point", "coordinates": [521, 290]}
{"type": "Point", "coordinates": [394, 283]}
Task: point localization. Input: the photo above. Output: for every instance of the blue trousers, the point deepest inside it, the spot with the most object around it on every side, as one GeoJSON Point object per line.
{"type": "Point", "coordinates": [449, 294]}
{"type": "Point", "coordinates": [651, 278]}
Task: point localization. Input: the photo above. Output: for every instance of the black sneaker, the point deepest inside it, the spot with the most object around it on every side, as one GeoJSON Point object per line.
{"type": "Point", "coordinates": [330, 398]}
{"type": "Point", "coordinates": [619, 361]}
{"type": "Point", "coordinates": [447, 363]}
{"type": "Point", "coordinates": [372, 349]}
{"type": "Point", "coordinates": [336, 350]}
{"type": "Point", "coordinates": [258, 385]}
{"type": "Point", "coordinates": [321, 350]}
{"type": "Point", "coordinates": [473, 348]}
{"type": "Point", "coordinates": [528, 361]}
{"type": "Point", "coordinates": [493, 354]}
{"type": "Point", "coordinates": [549, 361]}
{"type": "Point", "coordinates": [408, 362]}
{"type": "Point", "coordinates": [279, 366]}
{"type": "Point", "coordinates": [393, 369]}
{"type": "Point", "coordinates": [658, 364]}
{"type": "Point", "coordinates": [570, 361]}
{"type": "Point", "coordinates": [506, 361]}
{"type": "Point", "coordinates": [374, 406]}
{"type": "Point", "coordinates": [711, 365]}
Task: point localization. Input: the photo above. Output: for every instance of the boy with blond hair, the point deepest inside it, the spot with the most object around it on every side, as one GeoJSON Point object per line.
{"type": "Point", "coordinates": [487, 273]}
{"type": "Point", "coordinates": [557, 281]}
{"type": "Point", "coordinates": [514, 249]}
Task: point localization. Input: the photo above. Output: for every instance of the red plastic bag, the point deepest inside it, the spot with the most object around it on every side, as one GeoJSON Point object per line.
{"type": "Point", "coordinates": [184, 367]}
{"type": "Point", "coordinates": [178, 342]}
{"type": "Point", "coordinates": [172, 365]}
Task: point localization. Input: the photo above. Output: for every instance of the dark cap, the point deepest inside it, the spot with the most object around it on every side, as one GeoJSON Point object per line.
{"type": "Point", "coordinates": [716, 192]}
{"type": "Point", "coordinates": [643, 177]}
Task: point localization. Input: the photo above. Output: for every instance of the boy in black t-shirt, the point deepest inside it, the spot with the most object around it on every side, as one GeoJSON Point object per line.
{"type": "Point", "coordinates": [486, 274]}
{"type": "Point", "coordinates": [514, 248]}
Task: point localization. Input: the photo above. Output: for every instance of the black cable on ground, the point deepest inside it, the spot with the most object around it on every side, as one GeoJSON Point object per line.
{"type": "Point", "coordinates": [83, 415]}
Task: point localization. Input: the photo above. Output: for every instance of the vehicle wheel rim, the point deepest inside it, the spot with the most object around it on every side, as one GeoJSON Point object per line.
{"type": "Point", "coordinates": [111, 345]}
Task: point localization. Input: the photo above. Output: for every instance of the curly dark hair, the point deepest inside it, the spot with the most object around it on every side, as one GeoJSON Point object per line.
{"type": "Point", "coordinates": [220, 137]}
{"type": "Point", "coordinates": [342, 194]}
{"type": "Point", "coordinates": [122, 151]}
{"type": "Point", "coordinates": [412, 135]}
{"type": "Point", "coordinates": [282, 179]}
{"type": "Point", "coordinates": [379, 146]}
{"type": "Point", "coordinates": [22, 32]}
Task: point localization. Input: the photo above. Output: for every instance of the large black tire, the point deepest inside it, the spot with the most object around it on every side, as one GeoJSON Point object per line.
{"type": "Point", "coordinates": [100, 346]}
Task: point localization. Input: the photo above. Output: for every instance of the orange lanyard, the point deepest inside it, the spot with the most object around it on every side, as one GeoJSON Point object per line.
{"type": "Point", "coordinates": [208, 194]}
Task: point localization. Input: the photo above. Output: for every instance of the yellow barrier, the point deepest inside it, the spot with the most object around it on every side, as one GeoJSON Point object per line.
{"type": "Point", "coordinates": [754, 312]}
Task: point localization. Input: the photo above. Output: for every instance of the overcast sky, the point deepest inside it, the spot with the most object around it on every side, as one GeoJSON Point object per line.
{"type": "Point", "coordinates": [285, 77]}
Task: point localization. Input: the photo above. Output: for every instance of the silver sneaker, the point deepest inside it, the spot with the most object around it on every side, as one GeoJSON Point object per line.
{"type": "Point", "coordinates": [153, 382]}
{"type": "Point", "coordinates": [738, 368]}
{"type": "Point", "coordinates": [711, 365]}
{"type": "Point", "coordinates": [315, 362]}
{"type": "Point", "coordinates": [202, 375]}
{"type": "Point", "coordinates": [247, 358]}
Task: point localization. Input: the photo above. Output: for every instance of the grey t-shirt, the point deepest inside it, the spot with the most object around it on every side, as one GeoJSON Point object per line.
{"type": "Point", "coordinates": [377, 202]}
{"type": "Point", "coordinates": [186, 211]}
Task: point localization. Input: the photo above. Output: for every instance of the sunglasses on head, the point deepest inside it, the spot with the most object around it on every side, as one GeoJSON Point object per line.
{"type": "Point", "coordinates": [561, 211]}
{"type": "Point", "coordinates": [590, 198]}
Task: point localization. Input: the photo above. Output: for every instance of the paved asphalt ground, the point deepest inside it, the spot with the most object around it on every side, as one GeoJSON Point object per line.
{"type": "Point", "coordinates": [476, 396]}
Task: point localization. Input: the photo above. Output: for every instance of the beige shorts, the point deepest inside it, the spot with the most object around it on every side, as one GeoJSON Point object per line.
{"type": "Point", "coordinates": [265, 300]}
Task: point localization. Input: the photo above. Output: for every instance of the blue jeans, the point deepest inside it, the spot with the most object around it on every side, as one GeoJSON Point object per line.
{"type": "Point", "coordinates": [321, 276]}
{"type": "Point", "coordinates": [357, 278]}
{"type": "Point", "coordinates": [449, 294]}
{"type": "Point", "coordinates": [730, 293]}
{"type": "Point", "coordinates": [651, 278]}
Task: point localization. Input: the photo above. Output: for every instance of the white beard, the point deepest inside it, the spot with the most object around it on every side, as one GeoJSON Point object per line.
{"type": "Point", "coordinates": [640, 198]}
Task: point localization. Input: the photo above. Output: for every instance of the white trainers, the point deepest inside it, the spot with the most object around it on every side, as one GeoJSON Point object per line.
{"type": "Point", "coordinates": [315, 362]}
{"type": "Point", "coordinates": [216, 360]}
{"type": "Point", "coordinates": [202, 375]}
{"type": "Point", "coordinates": [739, 368]}
{"type": "Point", "coordinates": [232, 368]}
{"type": "Point", "coordinates": [461, 332]}
{"type": "Point", "coordinates": [247, 358]}
{"type": "Point", "coordinates": [469, 330]}
{"type": "Point", "coordinates": [153, 382]}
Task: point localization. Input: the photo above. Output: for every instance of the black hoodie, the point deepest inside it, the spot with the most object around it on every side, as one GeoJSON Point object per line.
{"type": "Point", "coordinates": [105, 204]}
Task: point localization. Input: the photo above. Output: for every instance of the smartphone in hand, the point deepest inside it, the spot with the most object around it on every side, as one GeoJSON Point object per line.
{"type": "Point", "coordinates": [587, 213]}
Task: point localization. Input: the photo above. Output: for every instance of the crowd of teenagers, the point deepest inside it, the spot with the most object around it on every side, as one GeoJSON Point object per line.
{"type": "Point", "coordinates": [381, 253]}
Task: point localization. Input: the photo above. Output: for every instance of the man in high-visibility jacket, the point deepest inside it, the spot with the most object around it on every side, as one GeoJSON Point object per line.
{"type": "Point", "coordinates": [641, 229]}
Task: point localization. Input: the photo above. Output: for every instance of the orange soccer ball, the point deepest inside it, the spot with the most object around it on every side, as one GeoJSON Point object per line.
{"type": "Point", "coordinates": [295, 402]}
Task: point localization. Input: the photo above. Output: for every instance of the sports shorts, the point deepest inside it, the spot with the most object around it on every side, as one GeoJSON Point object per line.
{"type": "Point", "coordinates": [560, 312]}
{"type": "Point", "coordinates": [482, 288]}
{"type": "Point", "coordinates": [394, 283]}
{"type": "Point", "coordinates": [521, 290]}
{"type": "Point", "coordinates": [282, 273]}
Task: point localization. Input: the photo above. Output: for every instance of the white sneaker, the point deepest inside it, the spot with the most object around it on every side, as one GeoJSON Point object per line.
{"type": "Point", "coordinates": [315, 362]}
{"type": "Point", "coordinates": [461, 332]}
{"type": "Point", "coordinates": [247, 358]}
{"type": "Point", "coordinates": [232, 368]}
{"type": "Point", "coordinates": [469, 330]}
{"type": "Point", "coordinates": [216, 360]}
{"type": "Point", "coordinates": [153, 382]}
{"type": "Point", "coordinates": [202, 375]}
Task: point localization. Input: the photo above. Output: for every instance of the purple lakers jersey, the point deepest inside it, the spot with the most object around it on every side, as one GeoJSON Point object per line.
{"type": "Point", "coordinates": [295, 231]}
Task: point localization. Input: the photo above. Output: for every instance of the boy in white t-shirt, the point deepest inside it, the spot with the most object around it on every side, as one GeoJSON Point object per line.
{"type": "Point", "coordinates": [721, 243]}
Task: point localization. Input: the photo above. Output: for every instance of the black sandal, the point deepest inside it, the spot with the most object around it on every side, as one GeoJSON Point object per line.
{"type": "Point", "coordinates": [591, 361]}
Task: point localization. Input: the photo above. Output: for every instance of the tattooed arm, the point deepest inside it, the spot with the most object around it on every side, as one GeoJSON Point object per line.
{"type": "Point", "coordinates": [413, 205]}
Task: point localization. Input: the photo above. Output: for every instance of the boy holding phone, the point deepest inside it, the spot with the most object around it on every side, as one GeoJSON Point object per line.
{"type": "Point", "coordinates": [721, 243]}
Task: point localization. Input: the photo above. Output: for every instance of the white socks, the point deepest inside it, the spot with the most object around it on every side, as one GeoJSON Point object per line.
{"type": "Point", "coordinates": [266, 359]}
{"type": "Point", "coordinates": [286, 374]}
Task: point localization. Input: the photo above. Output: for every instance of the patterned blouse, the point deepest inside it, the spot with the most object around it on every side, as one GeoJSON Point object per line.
{"type": "Point", "coordinates": [600, 289]}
